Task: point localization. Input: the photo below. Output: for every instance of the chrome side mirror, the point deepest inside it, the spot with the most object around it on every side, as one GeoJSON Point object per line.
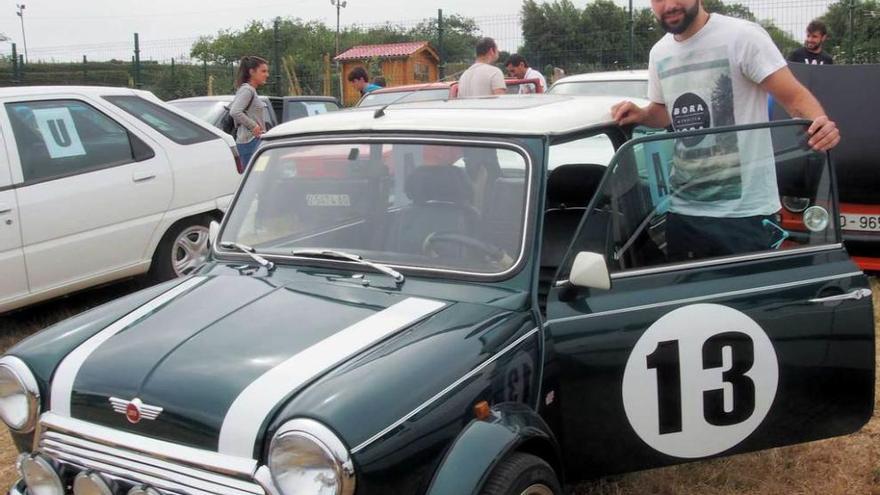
{"type": "Point", "coordinates": [590, 271]}
{"type": "Point", "coordinates": [213, 232]}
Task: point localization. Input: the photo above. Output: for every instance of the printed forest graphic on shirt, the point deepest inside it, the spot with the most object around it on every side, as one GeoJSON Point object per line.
{"type": "Point", "coordinates": [699, 86]}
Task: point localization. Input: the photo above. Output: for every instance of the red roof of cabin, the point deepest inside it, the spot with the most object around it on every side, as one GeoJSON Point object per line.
{"type": "Point", "coordinates": [389, 50]}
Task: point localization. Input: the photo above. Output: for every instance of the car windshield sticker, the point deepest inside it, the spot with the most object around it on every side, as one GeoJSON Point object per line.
{"type": "Point", "coordinates": [59, 132]}
{"type": "Point", "coordinates": [699, 381]}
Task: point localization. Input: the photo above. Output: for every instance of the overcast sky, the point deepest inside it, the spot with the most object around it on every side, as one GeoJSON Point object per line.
{"type": "Point", "coordinates": [72, 23]}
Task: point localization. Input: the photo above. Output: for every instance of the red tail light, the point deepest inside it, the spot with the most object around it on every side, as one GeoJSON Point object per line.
{"type": "Point", "coordinates": [238, 165]}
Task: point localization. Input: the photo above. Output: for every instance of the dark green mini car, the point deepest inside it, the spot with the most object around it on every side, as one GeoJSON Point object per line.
{"type": "Point", "coordinates": [484, 296]}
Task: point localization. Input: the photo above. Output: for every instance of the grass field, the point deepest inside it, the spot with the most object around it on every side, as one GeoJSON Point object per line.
{"type": "Point", "coordinates": [847, 465]}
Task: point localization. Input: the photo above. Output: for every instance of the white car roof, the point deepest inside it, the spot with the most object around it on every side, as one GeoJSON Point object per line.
{"type": "Point", "coordinates": [617, 75]}
{"type": "Point", "coordinates": [14, 91]}
{"type": "Point", "coordinates": [507, 114]}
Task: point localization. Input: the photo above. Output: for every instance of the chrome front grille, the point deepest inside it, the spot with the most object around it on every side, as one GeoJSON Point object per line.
{"type": "Point", "coordinates": [131, 464]}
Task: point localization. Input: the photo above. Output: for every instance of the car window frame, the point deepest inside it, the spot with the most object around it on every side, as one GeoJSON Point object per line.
{"type": "Point", "coordinates": [527, 245]}
{"type": "Point", "coordinates": [24, 182]}
{"type": "Point", "coordinates": [206, 134]}
{"type": "Point", "coordinates": [574, 249]}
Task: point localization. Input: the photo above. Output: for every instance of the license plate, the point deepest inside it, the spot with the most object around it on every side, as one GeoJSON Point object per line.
{"type": "Point", "coordinates": [863, 223]}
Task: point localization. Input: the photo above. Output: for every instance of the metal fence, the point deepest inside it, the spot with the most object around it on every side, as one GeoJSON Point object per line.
{"type": "Point", "coordinates": [167, 67]}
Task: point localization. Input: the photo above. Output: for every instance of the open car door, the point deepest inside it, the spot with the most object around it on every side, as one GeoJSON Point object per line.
{"type": "Point", "coordinates": [683, 358]}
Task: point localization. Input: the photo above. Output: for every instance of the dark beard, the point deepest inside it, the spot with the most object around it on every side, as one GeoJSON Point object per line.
{"type": "Point", "coordinates": [689, 16]}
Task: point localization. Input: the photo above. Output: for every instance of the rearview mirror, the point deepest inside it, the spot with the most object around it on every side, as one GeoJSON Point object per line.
{"type": "Point", "coordinates": [590, 271]}
{"type": "Point", "coordinates": [213, 232]}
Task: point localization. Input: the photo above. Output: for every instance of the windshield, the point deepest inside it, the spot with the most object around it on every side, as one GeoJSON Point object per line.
{"type": "Point", "coordinates": [208, 111]}
{"type": "Point", "coordinates": [376, 99]}
{"type": "Point", "coordinates": [632, 89]}
{"type": "Point", "coordinates": [435, 206]}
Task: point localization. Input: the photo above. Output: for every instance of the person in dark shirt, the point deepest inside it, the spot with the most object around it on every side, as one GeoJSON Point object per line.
{"type": "Point", "coordinates": [811, 52]}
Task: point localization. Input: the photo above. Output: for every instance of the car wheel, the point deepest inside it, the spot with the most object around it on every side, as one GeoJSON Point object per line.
{"type": "Point", "coordinates": [522, 474]}
{"type": "Point", "coordinates": [182, 250]}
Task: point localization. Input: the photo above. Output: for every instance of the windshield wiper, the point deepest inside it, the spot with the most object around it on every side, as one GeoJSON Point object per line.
{"type": "Point", "coordinates": [268, 265]}
{"type": "Point", "coordinates": [341, 255]}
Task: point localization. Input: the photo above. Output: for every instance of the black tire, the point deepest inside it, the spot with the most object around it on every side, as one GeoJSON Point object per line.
{"type": "Point", "coordinates": [519, 472]}
{"type": "Point", "coordinates": [162, 267]}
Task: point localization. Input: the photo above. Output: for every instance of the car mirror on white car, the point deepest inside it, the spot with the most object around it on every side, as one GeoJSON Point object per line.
{"type": "Point", "coordinates": [590, 271]}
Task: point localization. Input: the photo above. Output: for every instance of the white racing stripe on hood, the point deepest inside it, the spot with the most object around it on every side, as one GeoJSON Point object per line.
{"type": "Point", "coordinates": [65, 375]}
{"type": "Point", "coordinates": [244, 420]}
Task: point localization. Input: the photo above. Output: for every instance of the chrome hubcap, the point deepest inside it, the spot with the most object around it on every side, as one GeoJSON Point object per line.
{"type": "Point", "coordinates": [190, 250]}
{"type": "Point", "coordinates": [537, 489]}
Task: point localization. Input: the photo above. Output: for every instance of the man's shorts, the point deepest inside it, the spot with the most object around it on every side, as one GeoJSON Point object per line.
{"type": "Point", "coordinates": [693, 238]}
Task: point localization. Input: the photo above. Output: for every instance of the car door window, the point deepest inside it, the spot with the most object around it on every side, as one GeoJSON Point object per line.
{"type": "Point", "coordinates": [298, 109]}
{"type": "Point", "coordinates": [700, 196]}
{"type": "Point", "coordinates": [57, 138]}
{"type": "Point", "coordinates": [169, 124]}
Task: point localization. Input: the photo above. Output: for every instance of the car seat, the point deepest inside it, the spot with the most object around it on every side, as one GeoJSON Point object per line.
{"type": "Point", "coordinates": [442, 202]}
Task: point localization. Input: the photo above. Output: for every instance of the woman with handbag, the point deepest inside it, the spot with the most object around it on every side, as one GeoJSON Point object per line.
{"type": "Point", "coordinates": [246, 109]}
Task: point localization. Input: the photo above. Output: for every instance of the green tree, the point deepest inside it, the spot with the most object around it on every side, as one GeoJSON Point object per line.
{"type": "Point", "coordinates": [861, 45]}
{"type": "Point", "coordinates": [460, 35]}
{"type": "Point", "coordinates": [554, 33]}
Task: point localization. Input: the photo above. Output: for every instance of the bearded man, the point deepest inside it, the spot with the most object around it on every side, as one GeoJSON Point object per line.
{"type": "Point", "coordinates": [812, 53]}
{"type": "Point", "coordinates": [711, 70]}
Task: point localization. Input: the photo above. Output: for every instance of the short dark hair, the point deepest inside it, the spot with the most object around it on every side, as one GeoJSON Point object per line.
{"type": "Point", "coordinates": [484, 45]}
{"type": "Point", "coordinates": [516, 59]}
{"type": "Point", "coordinates": [245, 65]}
{"type": "Point", "coordinates": [817, 26]}
{"type": "Point", "coordinates": [358, 73]}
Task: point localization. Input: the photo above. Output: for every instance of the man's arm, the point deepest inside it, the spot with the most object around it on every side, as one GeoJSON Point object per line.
{"type": "Point", "coordinates": [654, 115]}
{"type": "Point", "coordinates": [499, 87]}
{"type": "Point", "coordinates": [799, 102]}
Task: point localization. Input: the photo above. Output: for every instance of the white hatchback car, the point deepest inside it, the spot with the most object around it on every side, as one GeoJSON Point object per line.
{"type": "Point", "coordinates": [625, 83]}
{"type": "Point", "coordinates": [98, 184]}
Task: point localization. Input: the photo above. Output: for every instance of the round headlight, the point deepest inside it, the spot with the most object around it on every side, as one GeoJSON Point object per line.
{"type": "Point", "coordinates": [306, 457]}
{"type": "Point", "coordinates": [19, 395]}
{"type": "Point", "coordinates": [40, 476]}
{"type": "Point", "coordinates": [816, 218]}
{"type": "Point", "coordinates": [795, 204]}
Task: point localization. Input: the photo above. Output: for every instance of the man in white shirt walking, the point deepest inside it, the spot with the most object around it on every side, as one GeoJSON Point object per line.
{"type": "Point", "coordinates": [518, 68]}
{"type": "Point", "coordinates": [483, 78]}
{"type": "Point", "coordinates": [710, 71]}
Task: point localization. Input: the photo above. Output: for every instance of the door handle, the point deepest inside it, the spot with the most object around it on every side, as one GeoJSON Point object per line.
{"type": "Point", "coordinates": [142, 176]}
{"type": "Point", "coordinates": [5, 208]}
{"type": "Point", "coordinates": [854, 295]}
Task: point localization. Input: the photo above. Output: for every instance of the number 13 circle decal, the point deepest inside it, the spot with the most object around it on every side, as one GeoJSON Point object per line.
{"type": "Point", "coordinates": [699, 381]}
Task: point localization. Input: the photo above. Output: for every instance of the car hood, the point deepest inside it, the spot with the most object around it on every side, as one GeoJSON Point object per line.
{"type": "Point", "coordinates": [216, 356]}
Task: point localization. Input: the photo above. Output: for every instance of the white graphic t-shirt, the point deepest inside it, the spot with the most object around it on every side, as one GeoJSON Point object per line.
{"type": "Point", "coordinates": [712, 80]}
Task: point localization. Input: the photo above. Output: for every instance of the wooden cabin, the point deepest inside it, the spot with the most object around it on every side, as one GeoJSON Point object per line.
{"type": "Point", "coordinates": [399, 63]}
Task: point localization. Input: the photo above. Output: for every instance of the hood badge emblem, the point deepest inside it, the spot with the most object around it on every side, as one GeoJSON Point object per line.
{"type": "Point", "coordinates": [135, 410]}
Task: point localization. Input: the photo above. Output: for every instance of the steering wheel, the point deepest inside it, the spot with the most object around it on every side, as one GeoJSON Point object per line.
{"type": "Point", "coordinates": [493, 253]}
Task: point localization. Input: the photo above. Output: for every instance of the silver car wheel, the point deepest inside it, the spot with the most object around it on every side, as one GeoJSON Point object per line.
{"type": "Point", "coordinates": [190, 250]}
{"type": "Point", "coordinates": [537, 489]}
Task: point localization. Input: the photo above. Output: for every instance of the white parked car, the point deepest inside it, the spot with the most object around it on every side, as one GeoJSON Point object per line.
{"type": "Point", "coordinates": [98, 184]}
{"type": "Point", "coordinates": [625, 83]}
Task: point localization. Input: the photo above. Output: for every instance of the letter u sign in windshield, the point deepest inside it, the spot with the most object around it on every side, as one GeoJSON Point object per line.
{"type": "Point", "coordinates": [59, 132]}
